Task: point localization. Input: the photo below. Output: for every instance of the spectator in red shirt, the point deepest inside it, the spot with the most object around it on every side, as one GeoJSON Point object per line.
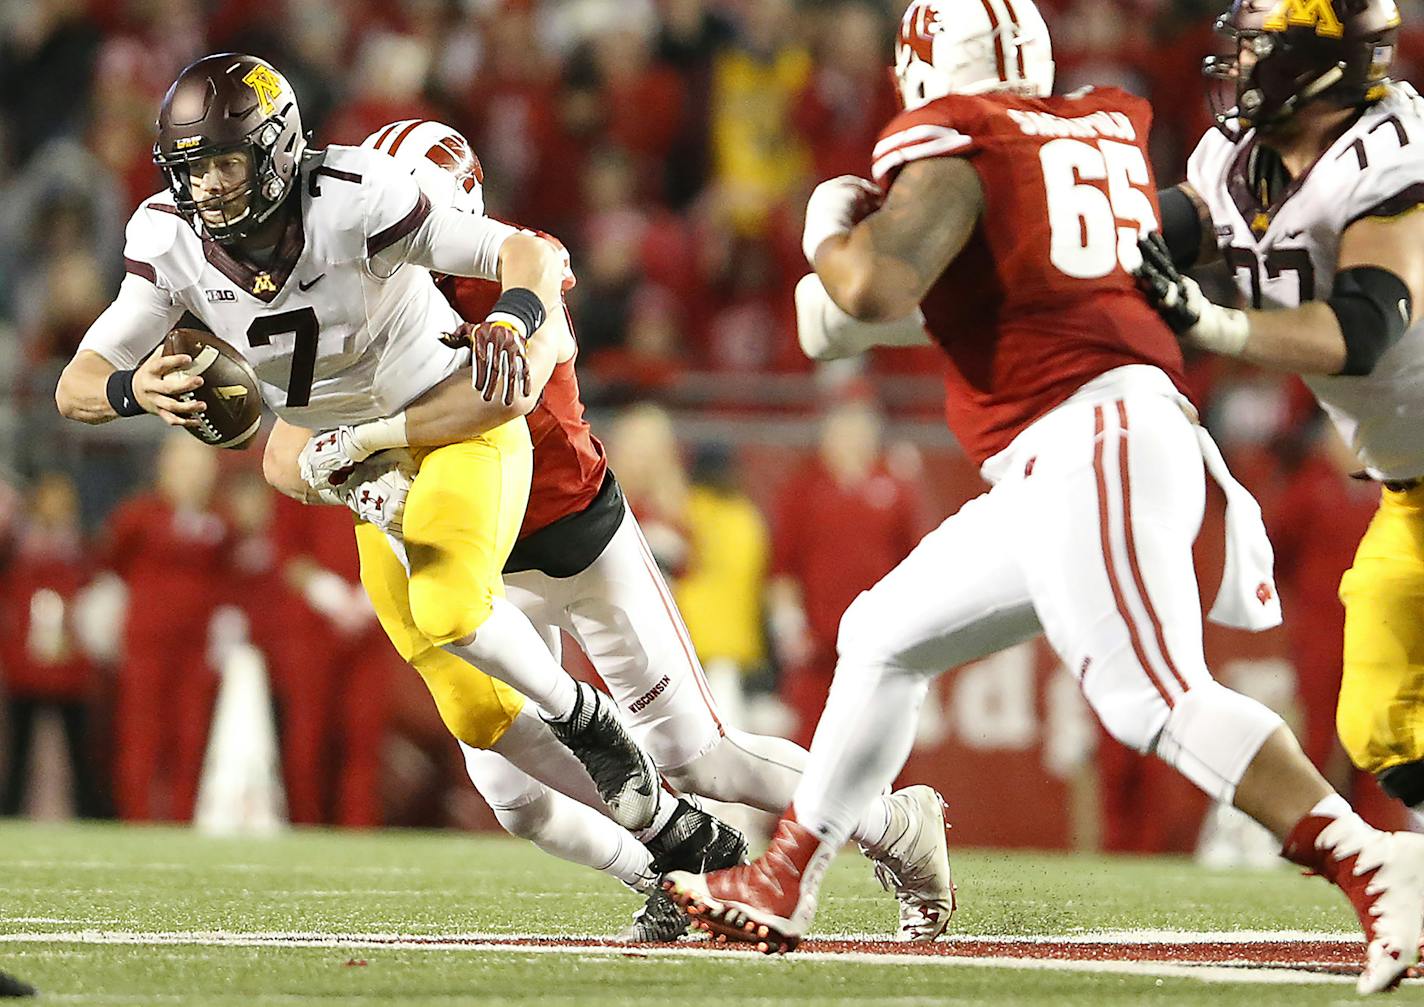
{"type": "Point", "coordinates": [335, 687]}
{"type": "Point", "coordinates": [170, 549]}
{"type": "Point", "coordinates": [842, 522]}
{"type": "Point", "coordinates": [850, 97]}
{"type": "Point", "coordinates": [43, 668]}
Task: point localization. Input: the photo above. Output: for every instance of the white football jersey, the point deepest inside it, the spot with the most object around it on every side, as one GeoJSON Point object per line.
{"type": "Point", "coordinates": [1286, 254]}
{"type": "Point", "coordinates": [339, 328]}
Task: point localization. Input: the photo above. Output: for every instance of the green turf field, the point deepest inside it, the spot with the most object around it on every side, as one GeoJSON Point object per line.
{"type": "Point", "coordinates": [214, 898]}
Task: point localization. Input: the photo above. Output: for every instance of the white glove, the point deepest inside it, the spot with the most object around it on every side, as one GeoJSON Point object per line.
{"type": "Point", "coordinates": [834, 208]}
{"type": "Point", "coordinates": [328, 458]}
{"type": "Point", "coordinates": [377, 489]}
{"type": "Point", "coordinates": [825, 332]}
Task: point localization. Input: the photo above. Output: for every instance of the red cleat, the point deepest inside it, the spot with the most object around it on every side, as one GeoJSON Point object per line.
{"type": "Point", "coordinates": [1382, 874]}
{"type": "Point", "coordinates": [770, 902]}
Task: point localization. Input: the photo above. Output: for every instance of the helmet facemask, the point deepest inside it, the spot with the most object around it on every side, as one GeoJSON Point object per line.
{"type": "Point", "coordinates": [243, 208]}
{"type": "Point", "coordinates": [1276, 66]}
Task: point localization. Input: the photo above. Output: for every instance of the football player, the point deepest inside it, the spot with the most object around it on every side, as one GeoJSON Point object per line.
{"type": "Point", "coordinates": [1309, 189]}
{"type": "Point", "coordinates": [309, 262]}
{"type": "Point", "coordinates": [581, 565]}
{"type": "Point", "coordinates": [1012, 218]}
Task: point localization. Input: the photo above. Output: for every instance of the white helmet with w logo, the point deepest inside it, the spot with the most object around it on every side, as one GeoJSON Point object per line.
{"type": "Point", "coordinates": [972, 47]}
{"type": "Point", "coordinates": [439, 157]}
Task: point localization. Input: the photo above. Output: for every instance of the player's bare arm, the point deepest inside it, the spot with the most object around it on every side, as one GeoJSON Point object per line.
{"type": "Point", "coordinates": [882, 268]}
{"type": "Point", "coordinates": [1376, 297]}
{"type": "Point", "coordinates": [1187, 226]}
{"type": "Point", "coordinates": [91, 390]}
{"type": "Point", "coordinates": [456, 409]}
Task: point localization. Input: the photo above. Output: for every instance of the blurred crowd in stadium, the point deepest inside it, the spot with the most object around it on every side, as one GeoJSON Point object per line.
{"type": "Point", "coordinates": [671, 145]}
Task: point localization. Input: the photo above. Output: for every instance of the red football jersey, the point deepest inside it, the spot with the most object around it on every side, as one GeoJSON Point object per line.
{"type": "Point", "coordinates": [568, 460]}
{"type": "Point", "coordinates": [1040, 300]}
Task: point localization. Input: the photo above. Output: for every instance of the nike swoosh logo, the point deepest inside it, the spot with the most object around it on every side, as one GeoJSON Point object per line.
{"type": "Point", "coordinates": [304, 287]}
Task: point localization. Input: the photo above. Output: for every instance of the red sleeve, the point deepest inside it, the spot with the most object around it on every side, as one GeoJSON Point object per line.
{"type": "Point", "coordinates": [940, 129]}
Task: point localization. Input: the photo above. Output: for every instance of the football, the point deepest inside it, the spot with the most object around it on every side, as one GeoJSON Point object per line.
{"type": "Point", "coordinates": [229, 388]}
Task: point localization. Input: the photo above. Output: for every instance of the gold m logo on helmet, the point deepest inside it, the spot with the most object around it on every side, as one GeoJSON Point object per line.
{"type": "Point", "coordinates": [266, 84]}
{"type": "Point", "coordinates": [1317, 14]}
{"type": "Point", "coordinates": [263, 284]}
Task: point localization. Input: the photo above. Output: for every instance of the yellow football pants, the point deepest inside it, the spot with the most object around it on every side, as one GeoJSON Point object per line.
{"type": "Point", "coordinates": [461, 520]}
{"type": "Point", "coordinates": [1380, 715]}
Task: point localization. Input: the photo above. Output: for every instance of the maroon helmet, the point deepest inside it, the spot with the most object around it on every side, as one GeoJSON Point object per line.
{"type": "Point", "coordinates": [225, 103]}
{"type": "Point", "coordinates": [1300, 51]}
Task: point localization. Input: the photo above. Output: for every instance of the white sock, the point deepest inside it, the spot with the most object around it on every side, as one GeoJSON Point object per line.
{"type": "Point", "coordinates": [529, 746]}
{"type": "Point", "coordinates": [1333, 806]}
{"type": "Point", "coordinates": [762, 772]}
{"type": "Point", "coordinates": [509, 648]}
{"type": "Point", "coordinates": [874, 825]}
{"type": "Point", "coordinates": [667, 804]}
{"type": "Point", "coordinates": [571, 831]}
{"type": "Point", "coordinates": [861, 743]}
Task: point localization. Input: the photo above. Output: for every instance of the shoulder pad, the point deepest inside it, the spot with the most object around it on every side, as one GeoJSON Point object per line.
{"type": "Point", "coordinates": [154, 228]}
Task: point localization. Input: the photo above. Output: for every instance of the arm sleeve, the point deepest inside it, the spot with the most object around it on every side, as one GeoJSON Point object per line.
{"type": "Point", "coordinates": [459, 243]}
{"type": "Point", "coordinates": [402, 226]}
{"type": "Point", "coordinates": [133, 324]}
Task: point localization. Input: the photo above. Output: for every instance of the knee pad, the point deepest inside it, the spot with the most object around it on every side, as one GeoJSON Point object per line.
{"type": "Point", "coordinates": [1404, 782]}
{"type": "Point", "coordinates": [1212, 735]}
{"type": "Point", "coordinates": [444, 612]}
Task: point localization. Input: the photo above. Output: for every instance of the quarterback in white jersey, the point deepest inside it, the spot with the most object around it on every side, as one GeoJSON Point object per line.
{"type": "Point", "coordinates": [314, 266]}
{"type": "Point", "coordinates": [1309, 190]}
{"type": "Point", "coordinates": [582, 567]}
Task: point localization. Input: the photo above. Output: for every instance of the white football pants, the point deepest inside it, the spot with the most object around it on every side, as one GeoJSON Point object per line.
{"type": "Point", "coordinates": [1086, 536]}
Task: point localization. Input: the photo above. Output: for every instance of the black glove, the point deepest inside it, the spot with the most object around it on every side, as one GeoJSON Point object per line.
{"type": "Point", "coordinates": [1175, 297]}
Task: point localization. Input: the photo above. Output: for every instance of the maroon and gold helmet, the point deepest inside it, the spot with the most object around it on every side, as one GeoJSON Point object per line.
{"type": "Point", "coordinates": [1288, 53]}
{"type": "Point", "coordinates": [224, 103]}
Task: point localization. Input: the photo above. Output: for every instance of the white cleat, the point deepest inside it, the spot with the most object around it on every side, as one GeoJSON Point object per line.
{"type": "Point", "coordinates": [1382, 874]}
{"type": "Point", "coordinates": [913, 862]}
{"type": "Point", "coordinates": [1396, 903]}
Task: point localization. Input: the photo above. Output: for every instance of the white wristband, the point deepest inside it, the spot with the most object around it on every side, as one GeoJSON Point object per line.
{"type": "Point", "coordinates": [378, 435]}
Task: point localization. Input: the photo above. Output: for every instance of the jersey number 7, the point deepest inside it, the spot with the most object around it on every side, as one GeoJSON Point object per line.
{"type": "Point", "coordinates": [302, 323]}
{"type": "Point", "coordinates": [1087, 239]}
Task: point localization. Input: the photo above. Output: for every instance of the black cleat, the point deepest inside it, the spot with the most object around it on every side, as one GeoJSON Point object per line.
{"type": "Point", "coordinates": [625, 776]}
{"type": "Point", "coordinates": [12, 987]}
{"type": "Point", "coordinates": [695, 842]}
{"type": "Point", "coordinates": [660, 921]}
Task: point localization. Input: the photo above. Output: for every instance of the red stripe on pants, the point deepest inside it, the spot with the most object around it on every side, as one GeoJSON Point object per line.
{"type": "Point", "coordinates": [1136, 640]}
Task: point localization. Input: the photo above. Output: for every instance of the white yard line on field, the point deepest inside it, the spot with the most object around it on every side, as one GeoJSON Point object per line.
{"type": "Point", "coordinates": [523, 944]}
